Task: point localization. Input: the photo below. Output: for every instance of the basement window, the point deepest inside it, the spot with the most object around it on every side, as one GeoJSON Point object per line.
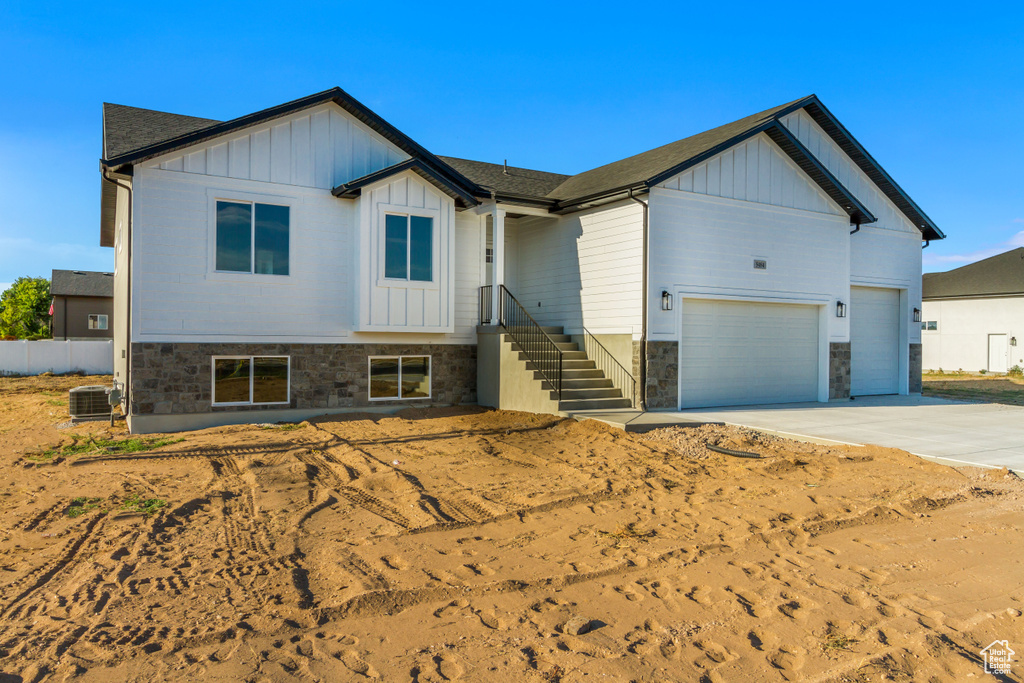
{"type": "Point", "coordinates": [399, 377]}
{"type": "Point", "coordinates": [97, 321]}
{"type": "Point", "coordinates": [251, 380]}
{"type": "Point", "coordinates": [252, 238]}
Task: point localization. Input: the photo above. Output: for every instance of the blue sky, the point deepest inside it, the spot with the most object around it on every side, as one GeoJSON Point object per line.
{"type": "Point", "coordinates": [937, 98]}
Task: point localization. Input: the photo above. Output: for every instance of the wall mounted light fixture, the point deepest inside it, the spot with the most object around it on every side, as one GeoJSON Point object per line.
{"type": "Point", "coordinates": [917, 315]}
{"type": "Point", "coordinates": [666, 300]}
{"type": "Point", "coordinates": [840, 309]}
{"type": "Point", "coordinates": [1013, 341]}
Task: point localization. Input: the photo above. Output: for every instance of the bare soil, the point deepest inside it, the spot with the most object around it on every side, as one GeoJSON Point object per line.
{"type": "Point", "coordinates": [464, 544]}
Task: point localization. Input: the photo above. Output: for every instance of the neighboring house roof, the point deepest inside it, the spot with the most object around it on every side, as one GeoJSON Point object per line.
{"type": "Point", "coordinates": [81, 283]}
{"type": "Point", "coordinates": [1001, 275]}
{"type": "Point", "coordinates": [132, 135]}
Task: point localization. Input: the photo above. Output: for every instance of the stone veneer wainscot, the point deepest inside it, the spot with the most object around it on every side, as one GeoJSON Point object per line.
{"type": "Point", "coordinates": [914, 367]}
{"type": "Point", "coordinates": [175, 378]}
{"type": "Point", "coordinates": [839, 355]}
{"type": "Point", "coordinates": [662, 375]}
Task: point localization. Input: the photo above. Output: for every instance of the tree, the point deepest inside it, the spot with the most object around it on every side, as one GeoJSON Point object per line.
{"type": "Point", "coordinates": [25, 309]}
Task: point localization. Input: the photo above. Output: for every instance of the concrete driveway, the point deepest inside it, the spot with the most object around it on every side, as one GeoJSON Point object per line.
{"type": "Point", "coordinates": [984, 434]}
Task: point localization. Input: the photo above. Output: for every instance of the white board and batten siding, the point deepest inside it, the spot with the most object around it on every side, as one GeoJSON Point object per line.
{"type": "Point", "coordinates": [321, 147]}
{"type": "Point", "coordinates": [407, 306]}
{"type": "Point", "coordinates": [755, 170]}
{"type": "Point", "coordinates": [296, 160]}
{"type": "Point", "coordinates": [584, 269]}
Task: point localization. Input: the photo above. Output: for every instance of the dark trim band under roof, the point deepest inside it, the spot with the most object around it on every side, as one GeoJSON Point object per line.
{"type": "Point", "coordinates": [462, 195]}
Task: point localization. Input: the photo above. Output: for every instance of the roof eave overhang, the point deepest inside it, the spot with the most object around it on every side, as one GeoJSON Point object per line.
{"type": "Point", "coordinates": [335, 95]}
{"type": "Point", "coordinates": [463, 196]}
{"type": "Point", "coordinates": [856, 152]}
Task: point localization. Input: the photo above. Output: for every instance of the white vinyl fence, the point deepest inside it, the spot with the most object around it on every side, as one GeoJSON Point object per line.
{"type": "Point", "coordinates": [37, 357]}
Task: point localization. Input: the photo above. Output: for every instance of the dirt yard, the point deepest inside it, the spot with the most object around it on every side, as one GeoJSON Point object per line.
{"type": "Point", "coordinates": [462, 544]}
{"type": "Point", "coordinates": [967, 387]}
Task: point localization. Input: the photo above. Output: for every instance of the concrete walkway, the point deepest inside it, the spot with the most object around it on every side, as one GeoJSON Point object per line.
{"type": "Point", "coordinates": [985, 434]}
{"type": "Point", "coordinates": [953, 432]}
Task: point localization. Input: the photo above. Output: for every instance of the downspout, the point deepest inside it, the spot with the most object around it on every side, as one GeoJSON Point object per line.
{"type": "Point", "coordinates": [925, 245]}
{"type": "Point", "coordinates": [128, 307]}
{"type": "Point", "coordinates": [856, 228]}
{"type": "Point", "coordinates": [643, 314]}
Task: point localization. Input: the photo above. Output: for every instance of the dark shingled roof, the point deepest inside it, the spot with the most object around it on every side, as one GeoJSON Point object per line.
{"type": "Point", "coordinates": [81, 283]}
{"type": "Point", "coordinates": [132, 135]}
{"type": "Point", "coordinates": [518, 181]}
{"type": "Point", "coordinates": [642, 167]}
{"type": "Point", "coordinates": [126, 129]}
{"type": "Point", "coordinates": [1000, 275]}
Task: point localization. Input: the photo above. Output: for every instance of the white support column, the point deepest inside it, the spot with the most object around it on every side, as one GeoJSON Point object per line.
{"type": "Point", "coordinates": [498, 247]}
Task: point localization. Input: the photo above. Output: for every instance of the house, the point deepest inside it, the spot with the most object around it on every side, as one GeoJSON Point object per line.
{"type": "Point", "coordinates": [972, 316]}
{"type": "Point", "coordinates": [311, 257]}
{"type": "Point", "coordinates": [83, 304]}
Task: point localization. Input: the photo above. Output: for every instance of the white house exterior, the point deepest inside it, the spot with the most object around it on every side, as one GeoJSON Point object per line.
{"type": "Point", "coordinates": [973, 316]}
{"type": "Point", "coordinates": [311, 258]}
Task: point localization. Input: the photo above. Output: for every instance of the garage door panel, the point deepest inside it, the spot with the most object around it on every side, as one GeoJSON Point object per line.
{"type": "Point", "coordinates": [874, 341]}
{"type": "Point", "coordinates": [735, 353]}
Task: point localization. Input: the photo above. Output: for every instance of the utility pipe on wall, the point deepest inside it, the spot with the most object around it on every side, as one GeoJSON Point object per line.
{"type": "Point", "coordinates": [643, 314]}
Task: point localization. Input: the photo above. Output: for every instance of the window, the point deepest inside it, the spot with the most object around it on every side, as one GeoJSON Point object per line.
{"type": "Point", "coordinates": [489, 255]}
{"type": "Point", "coordinates": [251, 380]}
{"type": "Point", "coordinates": [408, 247]}
{"type": "Point", "coordinates": [930, 325]}
{"type": "Point", "coordinates": [398, 377]}
{"type": "Point", "coordinates": [252, 238]}
{"type": "Point", "coordinates": [97, 321]}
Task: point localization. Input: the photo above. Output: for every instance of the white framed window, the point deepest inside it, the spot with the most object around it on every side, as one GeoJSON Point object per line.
{"type": "Point", "coordinates": [930, 325]}
{"type": "Point", "coordinates": [408, 247]}
{"type": "Point", "coordinates": [251, 380]}
{"type": "Point", "coordinates": [97, 321]}
{"type": "Point", "coordinates": [399, 377]}
{"type": "Point", "coordinates": [251, 237]}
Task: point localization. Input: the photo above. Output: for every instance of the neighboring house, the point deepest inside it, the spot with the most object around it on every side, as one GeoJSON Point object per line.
{"type": "Point", "coordinates": [311, 257]}
{"type": "Point", "coordinates": [83, 304]}
{"type": "Point", "coordinates": [973, 316]}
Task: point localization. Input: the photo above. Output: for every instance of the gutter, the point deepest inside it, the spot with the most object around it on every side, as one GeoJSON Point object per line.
{"type": "Point", "coordinates": [643, 313]}
{"type": "Point", "coordinates": [128, 309]}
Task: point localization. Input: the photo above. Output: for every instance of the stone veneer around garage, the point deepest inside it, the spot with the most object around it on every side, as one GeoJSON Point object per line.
{"type": "Point", "coordinates": [662, 375]}
{"type": "Point", "coordinates": [839, 370]}
{"type": "Point", "coordinates": [914, 368]}
{"type": "Point", "coordinates": [175, 378]}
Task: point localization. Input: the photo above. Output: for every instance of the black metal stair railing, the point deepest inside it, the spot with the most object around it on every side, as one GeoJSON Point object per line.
{"type": "Point", "coordinates": [622, 379]}
{"type": "Point", "coordinates": [541, 350]}
{"type": "Point", "coordinates": [486, 305]}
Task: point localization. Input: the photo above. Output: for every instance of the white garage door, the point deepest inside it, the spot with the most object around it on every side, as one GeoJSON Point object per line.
{"type": "Point", "coordinates": [736, 353]}
{"type": "Point", "coordinates": [874, 341]}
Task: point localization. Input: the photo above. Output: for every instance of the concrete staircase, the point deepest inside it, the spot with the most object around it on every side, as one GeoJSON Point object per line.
{"type": "Point", "coordinates": [584, 385]}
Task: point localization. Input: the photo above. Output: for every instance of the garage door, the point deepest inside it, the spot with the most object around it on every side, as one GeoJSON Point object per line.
{"type": "Point", "coordinates": [874, 341]}
{"type": "Point", "coordinates": [736, 353]}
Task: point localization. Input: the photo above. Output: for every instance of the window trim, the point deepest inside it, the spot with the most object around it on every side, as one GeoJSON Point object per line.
{"type": "Point", "coordinates": [252, 362]}
{"type": "Point", "coordinates": [98, 316]}
{"type": "Point", "coordinates": [214, 196]}
{"type": "Point", "coordinates": [369, 365]}
{"type": "Point", "coordinates": [383, 211]}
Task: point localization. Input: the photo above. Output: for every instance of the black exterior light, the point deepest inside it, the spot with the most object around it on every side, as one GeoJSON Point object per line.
{"type": "Point", "coordinates": [840, 309]}
{"type": "Point", "coordinates": [666, 300]}
{"type": "Point", "coordinates": [917, 315]}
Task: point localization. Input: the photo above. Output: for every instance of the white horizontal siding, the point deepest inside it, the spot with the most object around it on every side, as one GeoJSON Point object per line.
{"type": "Point", "coordinates": [964, 325]}
{"type": "Point", "coordinates": [849, 174]}
{"type": "Point", "coordinates": [705, 247]}
{"type": "Point", "coordinates": [176, 297]}
{"type": "Point", "coordinates": [584, 269]}
{"type": "Point", "coordinates": [321, 147]}
{"type": "Point", "coordinates": [755, 170]}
